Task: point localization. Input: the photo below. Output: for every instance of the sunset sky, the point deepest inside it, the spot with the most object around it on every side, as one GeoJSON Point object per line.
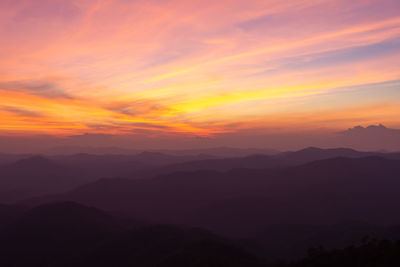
{"type": "Point", "coordinates": [197, 68]}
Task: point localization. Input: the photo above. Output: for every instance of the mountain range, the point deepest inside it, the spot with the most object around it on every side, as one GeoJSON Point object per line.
{"type": "Point", "coordinates": [270, 206]}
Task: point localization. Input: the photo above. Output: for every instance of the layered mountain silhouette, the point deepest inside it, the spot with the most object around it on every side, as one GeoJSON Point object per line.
{"type": "Point", "coordinates": [271, 161]}
{"type": "Point", "coordinates": [157, 209]}
{"type": "Point", "coordinates": [325, 191]}
{"type": "Point", "coordinates": [10, 158]}
{"type": "Point", "coordinates": [213, 151]}
{"type": "Point", "coordinates": [24, 176]}
{"type": "Point", "coordinates": [37, 175]}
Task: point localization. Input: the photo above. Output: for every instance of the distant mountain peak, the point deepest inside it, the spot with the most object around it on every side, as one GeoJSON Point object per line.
{"type": "Point", "coordinates": [310, 148]}
{"type": "Point", "coordinates": [34, 163]}
{"type": "Point", "coordinates": [313, 149]}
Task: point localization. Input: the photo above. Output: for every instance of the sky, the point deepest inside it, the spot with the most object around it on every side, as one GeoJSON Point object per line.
{"type": "Point", "coordinates": [197, 69]}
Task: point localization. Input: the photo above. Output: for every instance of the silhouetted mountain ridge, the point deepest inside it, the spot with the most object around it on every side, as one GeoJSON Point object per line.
{"type": "Point", "coordinates": [324, 191]}
{"type": "Point", "coordinates": [41, 175]}
{"type": "Point", "coordinates": [260, 161]}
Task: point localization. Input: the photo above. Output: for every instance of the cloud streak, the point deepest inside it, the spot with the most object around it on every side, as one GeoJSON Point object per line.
{"type": "Point", "coordinates": [40, 88]}
{"type": "Point", "coordinates": [21, 112]}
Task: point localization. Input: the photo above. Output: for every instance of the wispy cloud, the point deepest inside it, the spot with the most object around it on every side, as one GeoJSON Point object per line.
{"type": "Point", "coordinates": [36, 87]}
{"type": "Point", "coordinates": [22, 112]}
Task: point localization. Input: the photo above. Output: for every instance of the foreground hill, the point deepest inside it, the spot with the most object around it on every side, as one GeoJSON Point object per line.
{"type": "Point", "coordinates": [382, 253]}
{"type": "Point", "coordinates": [8, 213]}
{"type": "Point", "coordinates": [69, 234]}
